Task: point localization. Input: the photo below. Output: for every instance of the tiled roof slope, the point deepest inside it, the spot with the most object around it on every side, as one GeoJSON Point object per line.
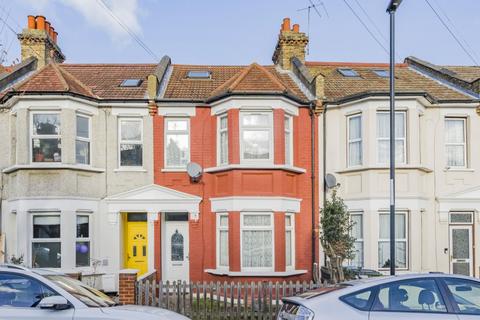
{"type": "Point", "coordinates": [339, 87]}
{"type": "Point", "coordinates": [229, 80]}
{"type": "Point", "coordinates": [466, 73]}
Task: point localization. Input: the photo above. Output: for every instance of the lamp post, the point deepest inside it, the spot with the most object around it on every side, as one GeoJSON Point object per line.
{"type": "Point", "coordinates": [392, 8]}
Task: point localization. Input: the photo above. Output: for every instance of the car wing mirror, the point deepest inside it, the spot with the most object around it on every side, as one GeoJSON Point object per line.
{"type": "Point", "coordinates": [54, 302]}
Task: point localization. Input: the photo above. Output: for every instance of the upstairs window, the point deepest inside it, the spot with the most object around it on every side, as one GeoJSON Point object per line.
{"type": "Point", "coordinates": [382, 73]}
{"type": "Point", "coordinates": [347, 72]}
{"type": "Point", "coordinates": [131, 142]}
{"type": "Point", "coordinates": [288, 140]}
{"type": "Point", "coordinates": [177, 142]}
{"type": "Point", "coordinates": [223, 140]}
{"type": "Point", "coordinates": [82, 140]}
{"type": "Point", "coordinates": [131, 83]}
{"type": "Point", "coordinates": [199, 74]}
{"type": "Point", "coordinates": [256, 136]}
{"type": "Point", "coordinates": [45, 137]}
{"type": "Point", "coordinates": [354, 140]}
{"type": "Point", "coordinates": [383, 137]}
{"type": "Point", "coordinates": [455, 142]}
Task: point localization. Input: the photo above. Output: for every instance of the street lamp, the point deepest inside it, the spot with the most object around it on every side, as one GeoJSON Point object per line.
{"type": "Point", "coordinates": [392, 8]}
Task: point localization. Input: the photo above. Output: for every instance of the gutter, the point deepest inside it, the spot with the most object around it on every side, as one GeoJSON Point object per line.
{"type": "Point", "coordinates": [312, 177]}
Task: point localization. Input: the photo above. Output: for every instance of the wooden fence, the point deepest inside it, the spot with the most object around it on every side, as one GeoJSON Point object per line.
{"type": "Point", "coordinates": [241, 300]}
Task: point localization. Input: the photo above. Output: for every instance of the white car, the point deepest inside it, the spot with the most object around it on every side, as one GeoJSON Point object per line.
{"type": "Point", "coordinates": [433, 296]}
{"type": "Point", "coordinates": [43, 294]}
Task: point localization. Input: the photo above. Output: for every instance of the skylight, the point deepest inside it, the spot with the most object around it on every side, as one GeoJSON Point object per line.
{"type": "Point", "coordinates": [131, 83]}
{"type": "Point", "coordinates": [199, 74]}
{"type": "Point", "coordinates": [381, 73]}
{"type": "Point", "coordinates": [346, 72]}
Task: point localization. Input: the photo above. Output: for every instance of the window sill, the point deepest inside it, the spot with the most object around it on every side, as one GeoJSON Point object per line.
{"type": "Point", "coordinates": [399, 167]}
{"type": "Point", "coordinates": [49, 166]}
{"type": "Point", "coordinates": [459, 170]}
{"type": "Point", "coordinates": [130, 170]}
{"type": "Point", "coordinates": [288, 273]}
{"type": "Point", "coordinates": [255, 167]}
{"type": "Point", "coordinates": [174, 170]}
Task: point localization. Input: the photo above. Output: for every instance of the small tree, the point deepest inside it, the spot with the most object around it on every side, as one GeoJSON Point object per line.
{"type": "Point", "coordinates": [335, 237]}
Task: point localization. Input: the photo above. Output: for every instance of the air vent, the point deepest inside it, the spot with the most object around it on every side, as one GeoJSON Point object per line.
{"type": "Point", "coordinates": [346, 72]}
{"type": "Point", "coordinates": [131, 83]}
{"type": "Point", "coordinates": [199, 74]}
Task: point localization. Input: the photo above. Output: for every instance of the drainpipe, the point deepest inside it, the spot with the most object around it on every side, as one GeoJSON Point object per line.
{"type": "Point", "coordinates": [314, 224]}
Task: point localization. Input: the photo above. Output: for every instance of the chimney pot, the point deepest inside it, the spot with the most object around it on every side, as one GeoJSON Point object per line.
{"type": "Point", "coordinates": [296, 28]}
{"type": "Point", "coordinates": [55, 34]}
{"type": "Point", "coordinates": [47, 27]}
{"type": "Point", "coordinates": [52, 31]}
{"type": "Point", "coordinates": [40, 22]}
{"type": "Point", "coordinates": [31, 22]}
{"type": "Point", "coordinates": [286, 24]}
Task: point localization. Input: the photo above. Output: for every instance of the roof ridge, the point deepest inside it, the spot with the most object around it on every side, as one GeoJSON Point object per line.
{"type": "Point", "coordinates": [76, 80]}
{"type": "Point", "coordinates": [353, 64]}
{"type": "Point", "coordinates": [60, 76]}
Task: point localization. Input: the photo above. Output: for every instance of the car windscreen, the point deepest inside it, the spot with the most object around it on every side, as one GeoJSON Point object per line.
{"type": "Point", "coordinates": [88, 295]}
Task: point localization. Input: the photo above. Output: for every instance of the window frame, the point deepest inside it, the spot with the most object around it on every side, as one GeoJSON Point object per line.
{"type": "Point", "coordinates": [120, 141]}
{"type": "Point", "coordinates": [349, 141]}
{"type": "Point", "coordinates": [219, 229]}
{"type": "Point", "coordinates": [359, 240]}
{"type": "Point", "coordinates": [404, 138]}
{"type": "Point", "coordinates": [271, 149]}
{"type": "Point", "coordinates": [290, 228]}
{"type": "Point", "coordinates": [87, 239]}
{"type": "Point", "coordinates": [165, 134]}
{"type": "Point", "coordinates": [89, 139]}
{"type": "Point", "coordinates": [48, 136]}
{"type": "Point", "coordinates": [221, 130]}
{"type": "Point", "coordinates": [288, 153]}
{"type": "Point", "coordinates": [257, 228]}
{"type": "Point", "coordinates": [464, 144]}
{"type": "Point", "coordinates": [46, 240]}
{"type": "Point", "coordinates": [405, 213]}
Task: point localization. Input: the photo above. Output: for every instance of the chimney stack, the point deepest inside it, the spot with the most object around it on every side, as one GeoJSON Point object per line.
{"type": "Point", "coordinates": [39, 40]}
{"type": "Point", "coordinates": [291, 43]}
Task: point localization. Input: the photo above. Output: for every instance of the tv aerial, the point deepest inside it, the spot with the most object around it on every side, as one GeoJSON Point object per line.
{"type": "Point", "coordinates": [194, 171]}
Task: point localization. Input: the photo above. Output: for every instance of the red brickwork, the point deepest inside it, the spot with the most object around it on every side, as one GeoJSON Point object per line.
{"type": "Point", "coordinates": [126, 287]}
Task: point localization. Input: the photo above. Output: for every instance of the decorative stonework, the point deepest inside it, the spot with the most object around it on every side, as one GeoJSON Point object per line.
{"type": "Point", "coordinates": [37, 43]}
{"type": "Point", "coordinates": [291, 43]}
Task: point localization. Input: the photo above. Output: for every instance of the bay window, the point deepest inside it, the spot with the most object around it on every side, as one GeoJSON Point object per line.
{"type": "Point", "coordinates": [288, 140]}
{"type": "Point", "coordinates": [46, 137]}
{"type": "Point", "coordinates": [289, 241]}
{"type": "Point", "coordinates": [256, 139]}
{"type": "Point", "coordinates": [82, 140]}
{"type": "Point", "coordinates": [131, 142]}
{"type": "Point", "coordinates": [455, 142]}
{"type": "Point", "coordinates": [401, 240]}
{"type": "Point", "coordinates": [177, 142]}
{"type": "Point", "coordinates": [257, 241]}
{"type": "Point", "coordinates": [354, 152]}
{"type": "Point", "coordinates": [222, 240]}
{"type": "Point", "coordinates": [223, 140]}
{"type": "Point", "coordinates": [46, 243]}
{"type": "Point", "coordinates": [82, 242]}
{"type": "Point", "coordinates": [357, 233]}
{"type": "Point", "coordinates": [383, 137]}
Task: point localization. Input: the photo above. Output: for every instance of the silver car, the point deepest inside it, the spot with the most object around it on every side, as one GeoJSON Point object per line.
{"type": "Point", "coordinates": [423, 296]}
{"type": "Point", "coordinates": [42, 294]}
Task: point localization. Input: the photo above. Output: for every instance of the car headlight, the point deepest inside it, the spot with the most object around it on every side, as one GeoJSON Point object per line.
{"type": "Point", "coordinates": [292, 311]}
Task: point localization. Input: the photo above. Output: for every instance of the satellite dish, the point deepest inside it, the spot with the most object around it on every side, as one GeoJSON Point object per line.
{"type": "Point", "coordinates": [195, 171]}
{"type": "Point", "coordinates": [330, 181]}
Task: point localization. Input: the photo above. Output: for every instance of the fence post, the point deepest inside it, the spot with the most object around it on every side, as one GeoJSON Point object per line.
{"type": "Point", "coordinates": [127, 279]}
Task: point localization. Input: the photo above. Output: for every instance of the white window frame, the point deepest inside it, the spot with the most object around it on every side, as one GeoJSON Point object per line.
{"type": "Point", "coordinates": [165, 134]}
{"type": "Point", "coordinates": [470, 213]}
{"type": "Point", "coordinates": [46, 240]}
{"type": "Point", "coordinates": [248, 128]}
{"type": "Point", "coordinates": [219, 229]}
{"type": "Point", "coordinates": [221, 130]}
{"type": "Point", "coordinates": [88, 239]}
{"type": "Point", "coordinates": [359, 240]}
{"type": "Point", "coordinates": [120, 141]}
{"type": "Point", "coordinates": [288, 153]}
{"type": "Point", "coordinates": [49, 136]}
{"type": "Point", "coordinates": [349, 141]}
{"type": "Point", "coordinates": [89, 139]}
{"type": "Point", "coordinates": [258, 228]}
{"type": "Point", "coordinates": [291, 229]}
{"type": "Point", "coordinates": [404, 139]}
{"type": "Point", "coordinates": [407, 234]}
{"type": "Point", "coordinates": [464, 144]}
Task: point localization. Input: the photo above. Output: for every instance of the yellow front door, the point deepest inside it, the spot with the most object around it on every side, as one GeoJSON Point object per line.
{"type": "Point", "coordinates": [136, 243]}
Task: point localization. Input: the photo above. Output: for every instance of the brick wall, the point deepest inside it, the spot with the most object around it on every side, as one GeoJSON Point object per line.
{"type": "Point", "coordinates": [126, 286]}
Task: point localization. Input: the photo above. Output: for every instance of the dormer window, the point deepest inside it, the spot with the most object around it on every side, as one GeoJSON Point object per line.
{"type": "Point", "coordinates": [131, 83]}
{"type": "Point", "coordinates": [199, 74]}
{"type": "Point", "coordinates": [347, 72]}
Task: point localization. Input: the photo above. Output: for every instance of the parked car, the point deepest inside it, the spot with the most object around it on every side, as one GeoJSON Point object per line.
{"type": "Point", "coordinates": [44, 294]}
{"type": "Point", "coordinates": [423, 296]}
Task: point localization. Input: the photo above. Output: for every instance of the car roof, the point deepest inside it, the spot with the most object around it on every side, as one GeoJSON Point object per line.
{"type": "Point", "coordinates": [39, 271]}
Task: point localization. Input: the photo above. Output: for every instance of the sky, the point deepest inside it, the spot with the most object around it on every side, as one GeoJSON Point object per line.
{"type": "Point", "coordinates": [245, 31]}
